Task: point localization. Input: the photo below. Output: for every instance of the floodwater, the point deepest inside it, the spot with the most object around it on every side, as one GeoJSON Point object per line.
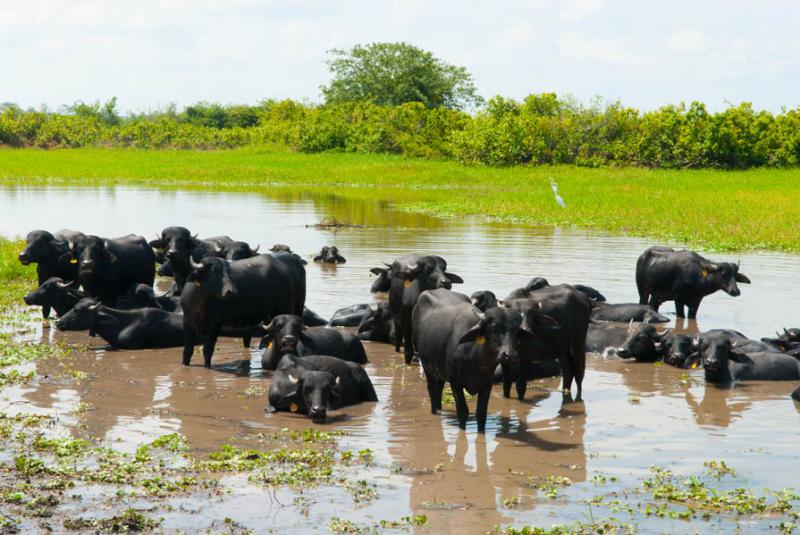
{"type": "Point", "coordinates": [633, 415]}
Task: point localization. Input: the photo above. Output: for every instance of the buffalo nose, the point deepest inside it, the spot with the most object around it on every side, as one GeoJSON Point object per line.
{"type": "Point", "coordinates": [622, 352]}
{"type": "Point", "coordinates": [23, 257]}
{"type": "Point", "coordinates": [735, 292]}
{"type": "Point", "coordinates": [318, 413]}
{"type": "Point", "coordinates": [172, 253]}
{"type": "Point", "coordinates": [28, 300]}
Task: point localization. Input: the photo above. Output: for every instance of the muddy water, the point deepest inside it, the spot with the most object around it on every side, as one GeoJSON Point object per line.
{"type": "Point", "coordinates": [633, 415]}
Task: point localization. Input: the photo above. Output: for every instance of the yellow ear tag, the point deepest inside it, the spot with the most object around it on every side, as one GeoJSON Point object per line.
{"type": "Point", "coordinates": [704, 274]}
{"type": "Point", "coordinates": [293, 407]}
{"type": "Point", "coordinates": [269, 345]}
{"type": "Point", "coordinates": [694, 365]}
{"type": "Point", "coordinates": [407, 283]}
{"type": "Point", "coordinates": [480, 340]}
{"type": "Point", "coordinates": [197, 283]}
{"type": "Point", "coordinates": [73, 260]}
{"type": "Point", "coordinates": [161, 250]}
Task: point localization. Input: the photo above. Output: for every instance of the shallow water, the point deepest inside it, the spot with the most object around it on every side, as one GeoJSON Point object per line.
{"type": "Point", "coordinates": [633, 415]}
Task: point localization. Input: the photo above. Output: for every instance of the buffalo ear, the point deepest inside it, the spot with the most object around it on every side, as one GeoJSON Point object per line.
{"type": "Point", "coordinates": [317, 258]}
{"type": "Point", "coordinates": [158, 243]}
{"type": "Point", "coordinates": [378, 271]}
{"type": "Point", "coordinates": [741, 277]}
{"type": "Point", "coordinates": [455, 279]}
{"type": "Point", "coordinates": [472, 334]}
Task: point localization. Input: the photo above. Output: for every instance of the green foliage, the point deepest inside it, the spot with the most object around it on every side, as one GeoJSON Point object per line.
{"type": "Point", "coordinates": [391, 74]}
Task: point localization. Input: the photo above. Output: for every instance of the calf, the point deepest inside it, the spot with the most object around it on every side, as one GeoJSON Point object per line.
{"type": "Point", "coordinates": [664, 274]}
{"type": "Point", "coordinates": [55, 293]}
{"type": "Point", "coordinates": [459, 344]}
{"type": "Point", "coordinates": [313, 384]}
{"type": "Point", "coordinates": [330, 255]}
{"type": "Point", "coordinates": [724, 364]}
{"type": "Point", "coordinates": [237, 296]}
{"type": "Point", "coordinates": [484, 300]}
{"type": "Point", "coordinates": [286, 334]}
{"type": "Point", "coordinates": [377, 324]}
{"type": "Point", "coordinates": [144, 328]}
{"type": "Point", "coordinates": [411, 275]}
{"type": "Point", "coordinates": [48, 252]}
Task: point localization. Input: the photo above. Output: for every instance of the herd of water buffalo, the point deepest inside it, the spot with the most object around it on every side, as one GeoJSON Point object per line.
{"type": "Point", "coordinates": [224, 287]}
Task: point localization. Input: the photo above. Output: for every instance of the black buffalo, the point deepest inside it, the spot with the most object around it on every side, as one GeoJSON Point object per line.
{"type": "Point", "coordinates": [384, 281]}
{"type": "Point", "coordinates": [48, 251]}
{"type": "Point", "coordinates": [330, 255]}
{"type": "Point", "coordinates": [460, 344]}
{"type": "Point", "coordinates": [286, 334]}
{"type": "Point", "coordinates": [725, 364]}
{"type": "Point", "coordinates": [237, 296]}
{"type": "Point", "coordinates": [643, 344]}
{"type": "Point", "coordinates": [559, 315]}
{"type": "Point", "coordinates": [178, 247]}
{"type": "Point", "coordinates": [788, 340]}
{"type": "Point", "coordinates": [142, 328]}
{"type": "Point", "coordinates": [605, 338]}
{"type": "Point", "coordinates": [57, 294]}
{"type": "Point", "coordinates": [664, 274]}
{"type": "Point", "coordinates": [411, 275]}
{"type": "Point", "coordinates": [315, 383]}
{"type": "Point", "coordinates": [349, 316]}
{"type": "Point", "coordinates": [143, 296]}
{"type": "Point", "coordinates": [107, 268]}
{"type": "Point", "coordinates": [377, 324]}
{"type": "Point", "coordinates": [237, 250]}
{"type": "Point", "coordinates": [483, 299]}
{"type": "Point", "coordinates": [281, 248]}
{"type": "Point", "coordinates": [625, 312]}
{"type": "Point", "coordinates": [537, 283]}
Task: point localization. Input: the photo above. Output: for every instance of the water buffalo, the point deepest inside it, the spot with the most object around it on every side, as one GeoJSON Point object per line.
{"type": "Point", "coordinates": [787, 340]}
{"type": "Point", "coordinates": [281, 248]}
{"type": "Point", "coordinates": [55, 293]}
{"type": "Point", "coordinates": [349, 316]}
{"type": "Point", "coordinates": [312, 319]}
{"type": "Point", "coordinates": [47, 252]}
{"type": "Point", "coordinates": [143, 296]}
{"type": "Point", "coordinates": [315, 383]}
{"type": "Point", "coordinates": [459, 344]}
{"type": "Point", "coordinates": [604, 339]}
{"type": "Point", "coordinates": [377, 324]}
{"type": "Point", "coordinates": [178, 247]}
{"type": "Point", "coordinates": [643, 344]}
{"type": "Point", "coordinates": [384, 281]}
{"type": "Point", "coordinates": [569, 310]}
{"type": "Point", "coordinates": [237, 296]}
{"type": "Point", "coordinates": [286, 334]}
{"type": "Point", "coordinates": [330, 255]}
{"type": "Point", "coordinates": [625, 312]}
{"type": "Point", "coordinates": [411, 275]}
{"type": "Point", "coordinates": [724, 364]}
{"type": "Point", "coordinates": [107, 268]}
{"type": "Point", "coordinates": [237, 250]}
{"type": "Point", "coordinates": [664, 274]}
{"type": "Point", "coordinates": [537, 283]}
{"type": "Point", "coordinates": [143, 328]}
{"type": "Point", "coordinates": [483, 299]}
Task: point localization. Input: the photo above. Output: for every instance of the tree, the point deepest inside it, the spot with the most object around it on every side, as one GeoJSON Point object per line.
{"type": "Point", "coordinates": [394, 73]}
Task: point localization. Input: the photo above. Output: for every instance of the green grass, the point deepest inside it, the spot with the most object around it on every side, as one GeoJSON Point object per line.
{"type": "Point", "coordinates": [15, 279]}
{"type": "Point", "coordinates": [718, 210]}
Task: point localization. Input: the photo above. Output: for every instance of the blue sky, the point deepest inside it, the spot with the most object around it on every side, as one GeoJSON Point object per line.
{"type": "Point", "coordinates": [646, 53]}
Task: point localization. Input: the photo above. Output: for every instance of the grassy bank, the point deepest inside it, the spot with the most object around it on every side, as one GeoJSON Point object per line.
{"type": "Point", "coordinates": [722, 210]}
{"type": "Point", "coordinates": [15, 279]}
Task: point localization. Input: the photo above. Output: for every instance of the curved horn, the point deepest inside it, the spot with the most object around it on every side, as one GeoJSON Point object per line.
{"type": "Point", "coordinates": [292, 379]}
{"type": "Point", "coordinates": [65, 285]}
{"type": "Point", "coordinates": [194, 236]}
{"type": "Point", "coordinates": [481, 316]}
{"type": "Point", "coordinates": [94, 306]}
{"type": "Point", "coordinates": [257, 248]}
{"type": "Point", "coordinates": [269, 328]}
{"type": "Point", "coordinates": [785, 331]}
{"type": "Point", "coordinates": [338, 380]}
{"type": "Point", "coordinates": [195, 265]}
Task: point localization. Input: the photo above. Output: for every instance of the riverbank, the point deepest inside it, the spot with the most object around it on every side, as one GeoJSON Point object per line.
{"type": "Point", "coordinates": [716, 210]}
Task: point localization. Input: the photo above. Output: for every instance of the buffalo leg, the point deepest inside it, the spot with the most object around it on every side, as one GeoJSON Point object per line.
{"type": "Point", "coordinates": [579, 353]}
{"type": "Point", "coordinates": [246, 340]}
{"type": "Point", "coordinates": [188, 347]}
{"type": "Point", "coordinates": [45, 311]}
{"type": "Point", "coordinates": [522, 379]}
{"type": "Point", "coordinates": [654, 303]}
{"type": "Point", "coordinates": [209, 345]}
{"type": "Point", "coordinates": [507, 379]}
{"type": "Point", "coordinates": [567, 373]}
{"type": "Point", "coordinates": [408, 343]}
{"type": "Point", "coordinates": [693, 309]}
{"type": "Point", "coordinates": [679, 308]}
{"type": "Point", "coordinates": [483, 407]}
{"type": "Point", "coordinates": [435, 387]}
{"type": "Point", "coordinates": [462, 410]}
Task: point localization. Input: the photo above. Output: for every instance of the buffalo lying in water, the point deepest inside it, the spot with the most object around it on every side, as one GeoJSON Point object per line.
{"type": "Point", "coordinates": [664, 274]}
{"type": "Point", "coordinates": [315, 383]}
{"type": "Point", "coordinates": [537, 283]}
{"type": "Point", "coordinates": [349, 316]}
{"type": "Point", "coordinates": [286, 334]}
{"type": "Point", "coordinates": [377, 324]}
{"type": "Point", "coordinates": [725, 364]}
{"type": "Point", "coordinates": [57, 294]}
{"type": "Point", "coordinates": [143, 328]}
{"type": "Point", "coordinates": [625, 312]}
{"type": "Point", "coordinates": [143, 296]}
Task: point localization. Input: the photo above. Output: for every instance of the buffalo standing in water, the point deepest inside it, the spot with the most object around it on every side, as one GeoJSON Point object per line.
{"type": "Point", "coordinates": [176, 248]}
{"type": "Point", "coordinates": [411, 275]}
{"type": "Point", "coordinates": [49, 253]}
{"type": "Point", "coordinates": [664, 274]}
